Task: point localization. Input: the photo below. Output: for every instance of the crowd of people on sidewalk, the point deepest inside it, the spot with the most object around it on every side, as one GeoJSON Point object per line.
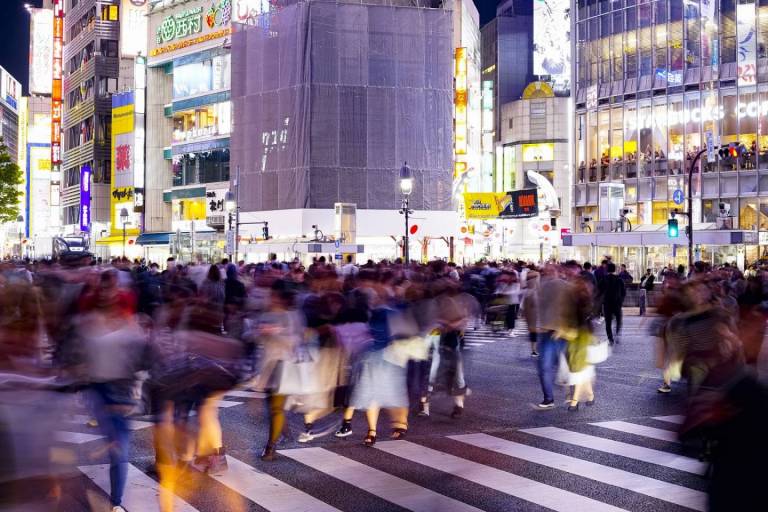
{"type": "Point", "coordinates": [325, 342]}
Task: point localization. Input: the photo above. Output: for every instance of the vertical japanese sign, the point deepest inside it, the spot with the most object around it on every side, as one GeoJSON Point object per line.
{"type": "Point", "coordinates": [85, 199]}
{"type": "Point", "coordinates": [460, 101]}
{"type": "Point", "coordinates": [56, 86]}
{"type": "Point", "coordinates": [41, 51]}
{"type": "Point", "coordinates": [747, 39]}
{"type": "Point", "coordinates": [124, 161]}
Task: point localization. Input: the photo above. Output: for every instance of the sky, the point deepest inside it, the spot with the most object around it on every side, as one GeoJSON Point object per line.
{"type": "Point", "coordinates": [14, 35]}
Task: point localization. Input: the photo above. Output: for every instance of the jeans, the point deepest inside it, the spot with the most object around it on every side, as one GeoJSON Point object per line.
{"type": "Point", "coordinates": [610, 314]}
{"type": "Point", "coordinates": [550, 349]}
{"type": "Point", "coordinates": [114, 425]}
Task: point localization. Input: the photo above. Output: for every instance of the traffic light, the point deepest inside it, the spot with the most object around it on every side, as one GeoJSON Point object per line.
{"type": "Point", "coordinates": [265, 231]}
{"type": "Point", "coordinates": [673, 231]}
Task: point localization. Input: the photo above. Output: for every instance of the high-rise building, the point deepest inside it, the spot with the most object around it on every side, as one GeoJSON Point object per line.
{"type": "Point", "coordinates": [330, 99]}
{"type": "Point", "coordinates": [656, 83]}
{"type": "Point", "coordinates": [91, 64]}
{"type": "Point", "coordinates": [10, 96]}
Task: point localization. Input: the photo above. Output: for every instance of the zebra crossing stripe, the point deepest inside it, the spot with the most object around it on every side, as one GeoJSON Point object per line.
{"type": "Point", "coordinates": [507, 483]}
{"type": "Point", "coordinates": [658, 489]}
{"type": "Point", "coordinates": [629, 451]}
{"type": "Point", "coordinates": [676, 419]}
{"type": "Point", "coordinates": [226, 403]}
{"type": "Point", "coordinates": [141, 492]}
{"type": "Point", "coordinates": [388, 487]}
{"type": "Point", "coordinates": [245, 394]}
{"type": "Point", "coordinates": [75, 437]}
{"type": "Point", "coordinates": [639, 430]}
{"type": "Point", "coordinates": [267, 491]}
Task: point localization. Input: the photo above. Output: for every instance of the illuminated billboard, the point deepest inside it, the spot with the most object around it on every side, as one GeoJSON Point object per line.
{"type": "Point", "coordinates": [56, 84]}
{"type": "Point", "coordinates": [551, 42]}
{"type": "Point", "coordinates": [460, 101]}
{"type": "Point", "coordinates": [41, 51]}
{"type": "Point", "coordinates": [133, 20]}
{"type": "Point", "coordinates": [189, 24]}
{"type": "Point", "coordinates": [124, 163]}
{"type": "Point", "coordinates": [10, 90]}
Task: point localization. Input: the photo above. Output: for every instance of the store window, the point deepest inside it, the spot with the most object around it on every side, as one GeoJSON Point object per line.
{"type": "Point", "coordinates": [592, 155]}
{"type": "Point", "coordinates": [630, 51]}
{"type": "Point", "coordinates": [201, 77]}
{"type": "Point", "coordinates": [762, 126]}
{"type": "Point", "coordinates": [730, 128]}
{"type": "Point", "coordinates": [630, 138]}
{"type": "Point", "coordinates": [660, 148]}
{"type": "Point", "coordinates": [203, 122]}
{"type": "Point", "coordinates": [728, 30]}
{"type": "Point", "coordinates": [693, 40]}
{"type": "Point", "coordinates": [617, 144]}
{"type": "Point", "coordinates": [763, 214]}
{"type": "Point", "coordinates": [645, 126]}
{"type": "Point", "coordinates": [747, 114]}
{"type": "Point", "coordinates": [201, 167]}
{"type": "Point", "coordinates": [646, 53]}
{"type": "Point", "coordinates": [661, 47]}
{"type": "Point", "coordinates": [604, 144]}
{"type": "Point", "coordinates": [676, 122]}
{"type": "Point", "coordinates": [748, 214]}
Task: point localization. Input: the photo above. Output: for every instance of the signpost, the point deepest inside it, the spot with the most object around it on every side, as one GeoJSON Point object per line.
{"type": "Point", "coordinates": [678, 197]}
{"type": "Point", "coordinates": [710, 148]}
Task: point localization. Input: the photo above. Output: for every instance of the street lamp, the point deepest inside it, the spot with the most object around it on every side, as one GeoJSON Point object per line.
{"type": "Point", "coordinates": [20, 220]}
{"type": "Point", "coordinates": [406, 187]}
{"type": "Point", "coordinates": [124, 219]}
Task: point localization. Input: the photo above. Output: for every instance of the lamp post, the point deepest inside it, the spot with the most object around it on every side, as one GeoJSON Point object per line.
{"type": "Point", "coordinates": [230, 204]}
{"type": "Point", "coordinates": [20, 220]}
{"type": "Point", "coordinates": [124, 219]}
{"type": "Point", "coordinates": [406, 187]}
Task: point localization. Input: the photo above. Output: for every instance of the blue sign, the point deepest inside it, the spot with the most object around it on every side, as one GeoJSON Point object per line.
{"type": "Point", "coordinates": [337, 243]}
{"type": "Point", "coordinates": [678, 197]}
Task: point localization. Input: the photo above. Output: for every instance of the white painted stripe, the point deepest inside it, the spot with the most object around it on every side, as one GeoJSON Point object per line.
{"type": "Point", "coordinates": [141, 492]}
{"type": "Point", "coordinates": [267, 491]}
{"type": "Point", "coordinates": [381, 484]}
{"type": "Point", "coordinates": [227, 403]}
{"type": "Point", "coordinates": [245, 394]}
{"type": "Point", "coordinates": [630, 451]}
{"type": "Point", "coordinates": [507, 483]}
{"type": "Point", "coordinates": [639, 430]}
{"type": "Point", "coordinates": [75, 437]}
{"type": "Point", "coordinates": [139, 425]}
{"type": "Point", "coordinates": [676, 419]}
{"type": "Point", "coordinates": [671, 493]}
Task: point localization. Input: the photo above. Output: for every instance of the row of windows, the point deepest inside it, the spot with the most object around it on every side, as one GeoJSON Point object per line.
{"type": "Point", "coordinates": [202, 167]}
{"type": "Point", "coordinates": [661, 136]}
{"type": "Point", "coordinates": [100, 173]}
{"type": "Point", "coordinates": [85, 132]}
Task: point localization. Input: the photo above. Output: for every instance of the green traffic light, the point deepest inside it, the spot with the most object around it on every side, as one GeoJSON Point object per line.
{"type": "Point", "coordinates": [673, 231]}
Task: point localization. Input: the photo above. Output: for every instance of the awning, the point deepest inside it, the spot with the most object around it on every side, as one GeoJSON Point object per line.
{"type": "Point", "coordinates": [154, 239]}
{"type": "Point", "coordinates": [115, 239]}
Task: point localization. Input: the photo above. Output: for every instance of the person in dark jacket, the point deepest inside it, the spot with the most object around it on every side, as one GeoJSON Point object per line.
{"type": "Point", "coordinates": [646, 286]}
{"type": "Point", "coordinates": [613, 293]}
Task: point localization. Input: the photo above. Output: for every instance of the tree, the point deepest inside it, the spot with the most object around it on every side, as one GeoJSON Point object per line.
{"type": "Point", "coordinates": [10, 179]}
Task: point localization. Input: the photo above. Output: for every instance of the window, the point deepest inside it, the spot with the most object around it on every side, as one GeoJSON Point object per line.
{"type": "Point", "coordinates": [201, 77]}
{"type": "Point", "coordinates": [71, 177]}
{"type": "Point", "coordinates": [202, 122]}
{"type": "Point", "coordinates": [202, 167]}
{"type": "Point", "coordinates": [71, 214]}
{"type": "Point", "coordinates": [109, 13]}
{"type": "Point", "coordinates": [109, 48]}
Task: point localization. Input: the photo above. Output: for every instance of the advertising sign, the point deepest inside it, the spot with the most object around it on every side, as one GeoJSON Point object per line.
{"type": "Point", "coordinates": [747, 40]}
{"type": "Point", "coordinates": [551, 42]}
{"type": "Point", "coordinates": [520, 204]}
{"type": "Point", "coordinates": [122, 187]}
{"type": "Point", "coordinates": [186, 26]}
{"type": "Point", "coordinates": [10, 89]}
{"type": "Point", "coordinates": [85, 199]}
{"type": "Point", "coordinates": [133, 20]}
{"type": "Point", "coordinates": [56, 84]}
{"type": "Point", "coordinates": [41, 51]}
{"type": "Point", "coordinates": [460, 101]}
{"type": "Point", "coordinates": [482, 205]}
{"type": "Point", "coordinates": [214, 202]}
{"type": "Point", "coordinates": [252, 12]}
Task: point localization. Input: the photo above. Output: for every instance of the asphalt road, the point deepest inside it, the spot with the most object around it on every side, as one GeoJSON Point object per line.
{"type": "Point", "coordinates": [503, 455]}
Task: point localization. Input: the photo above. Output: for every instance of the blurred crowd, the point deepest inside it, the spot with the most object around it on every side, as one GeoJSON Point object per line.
{"type": "Point", "coordinates": [117, 340]}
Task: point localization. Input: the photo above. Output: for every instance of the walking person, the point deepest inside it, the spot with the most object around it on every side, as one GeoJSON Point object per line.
{"type": "Point", "coordinates": [530, 309]}
{"type": "Point", "coordinates": [613, 293]}
{"type": "Point", "coordinates": [646, 286]}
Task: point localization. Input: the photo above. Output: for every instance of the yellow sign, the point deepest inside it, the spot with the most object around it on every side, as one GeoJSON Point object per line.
{"type": "Point", "coordinates": [538, 90]}
{"type": "Point", "coordinates": [460, 101]}
{"type": "Point", "coordinates": [154, 52]}
{"type": "Point", "coordinates": [542, 152]}
{"type": "Point", "coordinates": [483, 205]}
{"type": "Point", "coordinates": [122, 166]}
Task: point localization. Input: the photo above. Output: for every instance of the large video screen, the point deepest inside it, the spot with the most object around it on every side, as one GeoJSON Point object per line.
{"type": "Point", "coordinates": [551, 42]}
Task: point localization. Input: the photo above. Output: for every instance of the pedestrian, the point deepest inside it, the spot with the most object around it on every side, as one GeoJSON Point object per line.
{"type": "Point", "coordinates": [613, 293]}
{"type": "Point", "coordinates": [625, 276]}
{"type": "Point", "coordinates": [530, 309]}
{"type": "Point", "coordinates": [646, 286]}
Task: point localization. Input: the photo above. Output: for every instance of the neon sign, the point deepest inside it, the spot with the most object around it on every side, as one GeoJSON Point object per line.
{"type": "Point", "coordinates": [183, 24]}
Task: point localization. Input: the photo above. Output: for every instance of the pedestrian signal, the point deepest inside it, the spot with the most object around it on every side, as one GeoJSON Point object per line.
{"type": "Point", "coordinates": [673, 231]}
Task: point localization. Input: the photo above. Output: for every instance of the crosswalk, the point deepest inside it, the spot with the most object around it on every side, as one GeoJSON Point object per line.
{"type": "Point", "coordinates": [482, 334]}
{"type": "Point", "coordinates": [581, 468]}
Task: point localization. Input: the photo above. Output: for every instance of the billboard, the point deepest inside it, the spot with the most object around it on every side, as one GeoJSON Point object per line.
{"type": "Point", "coordinates": [56, 84]}
{"type": "Point", "coordinates": [133, 20]}
{"type": "Point", "coordinates": [39, 169]}
{"type": "Point", "coordinates": [483, 205]}
{"type": "Point", "coordinates": [197, 25]}
{"type": "Point", "coordinates": [460, 101]}
{"type": "Point", "coordinates": [123, 162]}
{"type": "Point", "coordinates": [85, 199]}
{"type": "Point", "coordinates": [41, 51]}
{"type": "Point", "coordinates": [520, 204]}
{"type": "Point", "coordinates": [551, 42]}
{"type": "Point", "coordinates": [10, 90]}
{"type": "Point", "coordinates": [747, 39]}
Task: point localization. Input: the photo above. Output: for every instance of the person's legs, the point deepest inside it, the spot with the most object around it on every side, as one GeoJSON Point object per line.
{"type": "Point", "coordinates": [120, 445]}
{"type": "Point", "coordinates": [546, 364]}
{"type": "Point", "coordinates": [609, 324]}
{"type": "Point", "coordinates": [276, 417]}
{"type": "Point", "coordinates": [619, 314]}
{"type": "Point", "coordinates": [209, 438]}
{"type": "Point", "coordinates": [534, 339]}
{"type": "Point", "coordinates": [511, 316]}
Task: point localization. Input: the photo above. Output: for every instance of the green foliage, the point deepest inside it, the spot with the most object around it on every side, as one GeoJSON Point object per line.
{"type": "Point", "coordinates": [10, 179]}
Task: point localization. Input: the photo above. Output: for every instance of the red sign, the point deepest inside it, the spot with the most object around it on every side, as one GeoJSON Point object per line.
{"type": "Point", "coordinates": [123, 158]}
{"type": "Point", "coordinates": [414, 229]}
{"type": "Point", "coordinates": [564, 231]}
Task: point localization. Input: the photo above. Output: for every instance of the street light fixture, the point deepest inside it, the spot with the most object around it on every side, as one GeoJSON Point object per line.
{"type": "Point", "coordinates": [20, 220]}
{"type": "Point", "coordinates": [230, 205]}
{"type": "Point", "coordinates": [124, 218]}
{"type": "Point", "coordinates": [406, 187]}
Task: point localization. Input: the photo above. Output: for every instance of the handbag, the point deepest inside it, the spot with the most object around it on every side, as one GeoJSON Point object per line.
{"type": "Point", "coordinates": [298, 376]}
{"type": "Point", "coordinates": [598, 352]}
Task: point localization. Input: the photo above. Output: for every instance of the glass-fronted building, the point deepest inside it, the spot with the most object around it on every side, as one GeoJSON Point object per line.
{"type": "Point", "coordinates": [653, 81]}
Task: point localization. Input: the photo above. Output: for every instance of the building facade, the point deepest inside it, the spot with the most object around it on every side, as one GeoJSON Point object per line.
{"type": "Point", "coordinates": [188, 126]}
{"type": "Point", "coordinates": [330, 99]}
{"type": "Point", "coordinates": [653, 82]}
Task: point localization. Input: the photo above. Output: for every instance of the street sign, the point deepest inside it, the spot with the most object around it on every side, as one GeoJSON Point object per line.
{"type": "Point", "coordinates": [230, 245]}
{"type": "Point", "coordinates": [710, 147]}
{"type": "Point", "coordinates": [337, 243]}
{"type": "Point", "coordinates": [678, 197]}
{"type": "Point", "coordinates": [564, 231]}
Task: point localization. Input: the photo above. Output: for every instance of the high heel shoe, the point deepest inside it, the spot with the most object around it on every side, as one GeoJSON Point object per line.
{"type": "Point", "coordinates": [269, 453]}
{"type": "Point", "coordinates": [370, 439]}
{"type": "Point", "coordinates": [398, 433]}
{"type": "Point", "coordinates": [573, 407]}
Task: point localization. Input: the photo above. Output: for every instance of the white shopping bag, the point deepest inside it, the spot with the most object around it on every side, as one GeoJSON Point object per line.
{"type": "Point", "coordinates": [598, 352]}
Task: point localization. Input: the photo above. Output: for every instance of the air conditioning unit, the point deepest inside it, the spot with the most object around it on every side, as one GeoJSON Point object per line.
{"type": "Point", "coordinates": [604, 226]}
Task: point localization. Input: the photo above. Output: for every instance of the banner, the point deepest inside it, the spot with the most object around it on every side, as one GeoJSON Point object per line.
{"type": "Point", "coordinates": [85, 199]}
{"type": "Point", "coordinates": [483, 205]}
{"type": "Point", "coordinates": [122, 187]}
{"type": "Point", "coordinates": [41, 52]}
{"type": "Point", "coordinates": [747, 40]}
{"type": "Point", "coordinates": [520, 204]}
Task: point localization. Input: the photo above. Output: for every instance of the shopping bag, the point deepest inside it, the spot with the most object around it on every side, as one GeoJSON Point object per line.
{"type": "Point", "coordinates": [561, 379]}
{"type": "Point", "coordinates": [298, 376]}
{"type": "Point", "coordinates": [598, 352]}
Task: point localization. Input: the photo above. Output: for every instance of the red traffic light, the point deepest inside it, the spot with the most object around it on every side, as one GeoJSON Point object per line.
{"type": "Point", "coordinates": [414, 229]}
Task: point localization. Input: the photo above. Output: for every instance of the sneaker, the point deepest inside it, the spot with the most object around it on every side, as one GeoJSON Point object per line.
{"type": "Point", "coordinates": [546, 404]}
{"type": "Point", "coordinates": [217, 464]}
{"type": "Point", "coordinates": [423, 409]}
{"type": "Point", "coordinates": [306, 436]}
{"type": "Point", "coordinates": [118, 508]}
{"type": "Point", "coordinates": [534, 354]}
{"type": "Point", "coordinates": [345, 430]}
{"type": "Point", "coordinates": [458, 412]}
{"type": "Point", "coordinates": [665, 388]}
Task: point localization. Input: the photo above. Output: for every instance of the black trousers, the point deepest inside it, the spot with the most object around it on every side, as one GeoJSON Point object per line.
{"type": "Point", "coordinates": [511, 315]}
{"type": "Point", "coordinates": [611, 313]}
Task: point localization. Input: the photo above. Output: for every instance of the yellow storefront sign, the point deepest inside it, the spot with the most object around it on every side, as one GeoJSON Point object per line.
{"type": "Point", "coordinates": [483, 205]}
